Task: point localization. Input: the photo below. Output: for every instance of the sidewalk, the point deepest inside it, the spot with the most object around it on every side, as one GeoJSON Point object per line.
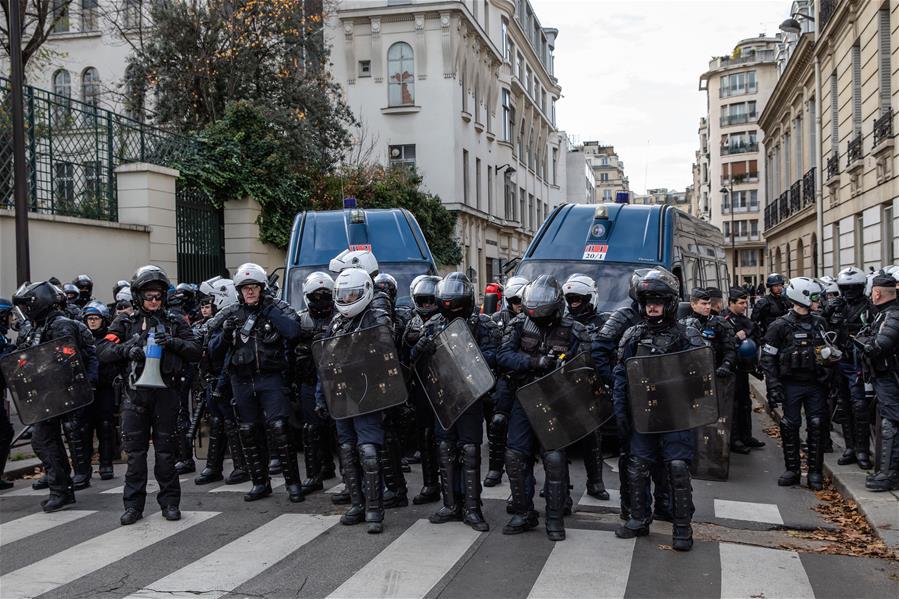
{"type": "Point", "coordinates": [881, 509]}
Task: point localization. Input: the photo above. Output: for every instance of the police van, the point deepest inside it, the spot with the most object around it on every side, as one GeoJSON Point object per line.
{"type": "Point", "coordinates": [609, 241]}
{"type": "Point", "coordinates": [392, 235]}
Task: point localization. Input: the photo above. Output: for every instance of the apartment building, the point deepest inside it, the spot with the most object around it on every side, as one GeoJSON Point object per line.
{"type": "Point", "coordinates": [608, 170]}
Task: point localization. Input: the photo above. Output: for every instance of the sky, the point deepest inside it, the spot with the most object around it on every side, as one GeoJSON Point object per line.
{"type": "Point", "coordinates": [629, 72]}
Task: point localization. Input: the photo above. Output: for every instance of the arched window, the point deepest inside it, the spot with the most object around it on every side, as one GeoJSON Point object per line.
{"type": "Point", "coordinates": [90, 86]}
{"type": "Point", "coordinates": [62, 87]}
{"type": "Point", "coordinates": [400, 75]}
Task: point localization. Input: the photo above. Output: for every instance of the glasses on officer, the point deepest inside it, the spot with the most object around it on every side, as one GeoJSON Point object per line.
{"type": "Point", "coordinates": [152, 296]}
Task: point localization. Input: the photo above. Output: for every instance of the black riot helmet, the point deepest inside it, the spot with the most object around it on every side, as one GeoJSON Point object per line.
{"type": "Point", "coordinates": [775, 279]}
{"type": "Point", "coordinates": [635, 281]}
{"type": "Point", "coordinates": [659, 284]}
{"type": "Point", "coordinates": [85, 285]}
{"type": "Point", "coordinates": [37, 300]}
{"type": "Point", "coordinates": [543, 300]}
{"type": "Point", "coordinates": [146, 278]}
{"type": "Point", "coordinates": [72, 292]}
{"type": "Point", "coordinates": [455, 296]}
{"type": "Point", "coordinates": [424, 296]}
{"type": "Point", "coordinates": [386, 283]}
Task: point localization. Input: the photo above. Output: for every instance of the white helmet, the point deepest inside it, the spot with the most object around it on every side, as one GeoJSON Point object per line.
{"type": "Point", "coordinates": [250, 274]}
{"type": "Point", "coordinates": [317, 280]}
{"type": "Point", "coordinates": [893, 271]}
{"type": "Point", "coordinates": [803, 291]}
{"type": "Point", "coordinates": [579, 284]}
{"type": "Point", "coordinates": [851, 276]}
{"type": "Point", "coordinates": [831, 288]}
{"type": "Point", "coordinates": [222, 291]}
{"type": "Point", "coordinates": [124, 294]}
{"type": "Point", "coordinates": [353, 291]}
{"type": "Point", "coordinates": [355, 259]}
{"type": "Point", "coordinates": [515, 288]}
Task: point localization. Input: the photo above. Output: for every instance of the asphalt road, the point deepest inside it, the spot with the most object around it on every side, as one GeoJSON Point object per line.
{"type": "Point", "coordinates": [272, 548]}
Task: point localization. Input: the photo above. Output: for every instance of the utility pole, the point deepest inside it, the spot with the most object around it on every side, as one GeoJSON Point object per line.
{"type": "Point", "coordinates": [20, 188]}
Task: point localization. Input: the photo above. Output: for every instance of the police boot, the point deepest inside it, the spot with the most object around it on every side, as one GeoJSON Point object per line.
{"type": "Point", "coordinates": [58, 501]}
{"type": "Point", "coordinates": [430, 488]}
{"type": "Point", "coordinates": [524, 517]}
{"type": "Point", "coordinates": [240, 473]}
{"type": "Point", "coordinates": [352, 474]}
{"type": "Point", "coordinates": [661, 493]}
{"type": "Point", "coordinates": [76, 439]}
{"type": "Point", "coordinates": [554, 464]}
{"type": "Point", "coordinates": [312, 454]}
{"type": "Point", "coordinates": [287, 452]}
{"type": "Point", "coordinates": [43, 482]}
{"type": "Point", "coordinates": [215, 454]}
{"type": "Point", "coordinates": [374, 490]}
{"type": "Point", "coordinates": [682, 495]}
{"type": "Point", "coordinates": [252, 436]}
{"type": "Point", "coordinates": [815, 456]}
{"type": "Point", "coordinates": [106, 438]}
{"type": "Point", "coordinates": [274, 463]}
{"type": "Point", "coordinates": [390, 457]}
{"type": "Point", "coordinates": [638, 472]}
{"type": "Point", "coordinates": [471, 483]}
{"type": "Point", "coordinates": [862, 437]}
{"type": "Point", "coordinates": [887, 478]}
{"type": "Point", "coordinates": [185, 463]}
{"type": "Point", "coordinates": [848, 456]}
{"type": "Point", "coordinates": [496, 447]}
{"type": "Point", "coordinates": [449, 474]}
{"type": "Point", "coordinates": [593, 464]}
{"type": "Point", "coordinates": [624, 488]}
{"type": "Point", "coordinates": [789, 435]}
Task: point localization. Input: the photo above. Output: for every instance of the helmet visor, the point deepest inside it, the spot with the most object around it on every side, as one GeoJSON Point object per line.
{"type": "Point", "coordinates": [453, 288]}
{"type": "Point", "coordinates": [537, 296]}
{"type": "Point", "coordinates": [426, 286]}
{"type": "Point", "coordinates": [349, 295]}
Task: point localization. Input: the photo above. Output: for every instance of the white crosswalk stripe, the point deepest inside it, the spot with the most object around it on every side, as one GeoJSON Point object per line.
{"type": "Point", "coordinates": [410, 566]}
{"type": "Point", "coordinates": [277, 481]}
{"type": "Point", "coordinates": [152, 487]}
{"type": "Point", "coordinates": [21, 528]}
{"type": "Point", "coordinates": [94, 554]}
{"type": "Point", "coordinates": [242, 559]}
{"type": "Point", "coordinates": [589, 563]}
{"type": "Point", "coordinates": [752, 572]}
{"type": "Point", "coordinates": [767, 513]}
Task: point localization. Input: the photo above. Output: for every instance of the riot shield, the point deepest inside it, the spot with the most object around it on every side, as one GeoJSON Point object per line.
{"type": "Point", "coordinates": [566, 404]}
{"type": "Point", "coordinates": [672, 392]}
{"type": "Point", "coordinates": [456, 375]}
{"type": "Point", "coordinates": [47, 380]}
{"type": "Point", "coordinates": [712, 461]}
{"type": "Point", "coordinates": [360, 372]}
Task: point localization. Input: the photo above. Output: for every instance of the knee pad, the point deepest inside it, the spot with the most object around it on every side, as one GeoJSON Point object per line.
{"type": "Point", "coordinates": [554, 463]}
{"type": "Point", "coordinates": [446, 447]}
{"type": "Point", "coordinates": [516, 462]}
{"type": "Point", "coordinates": [638, 467]}
{"type": "Point", "coordinates": [789, 425]}
{"type": "Point", "coordinates": [679, 471]}
{"type": "Point", "coordinates": [471, 455]}
{"type": "Point", "coordinates": [499, 423]}
{"type": "Point", "coordinates": [368, 456]}
{"type": "Point", "coordinates": [888, 429]}
{"type": "Point", "coordinates": [816, 422]}
{"type": "Point", "coordinates": [280, 430]}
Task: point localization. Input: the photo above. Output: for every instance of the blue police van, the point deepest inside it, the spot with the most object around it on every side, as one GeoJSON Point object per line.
{"type": "Point", "coordinates": [392, 235]}
{"type": "Point", "coordinates": [609, 241]}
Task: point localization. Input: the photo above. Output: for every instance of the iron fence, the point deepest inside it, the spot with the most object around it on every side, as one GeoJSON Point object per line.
{"type": "Point", "coordinates": [72, 150]}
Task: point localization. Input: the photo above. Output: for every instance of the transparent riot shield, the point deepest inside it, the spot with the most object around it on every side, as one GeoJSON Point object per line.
{"type": "Point", "coordinates": [712, 460]}
{"type": "Point", "coordinates": [360, 372]}
{"type": "Point", "coordinates": [565, 405]}
{"type": "Point", "coordinates": [47, 380]}
{"type": "Point", "coordinates": [672, 392]}
{"type": "Point", "coordinates": [456, 375]}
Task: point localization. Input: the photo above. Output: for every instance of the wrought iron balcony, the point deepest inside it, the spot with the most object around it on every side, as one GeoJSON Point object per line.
{"type": "Point", "coordinates": [833, 166]}
{"type": "Point", "coordinates": [825, 12]}
{"type": "Point", "coordinates": [783, 205]}
{"type": "Point", "coordinates": [795, 197]}
{"type": "Point", "coordinates": [808, 187]}
{"type": "Point", "coordinates": [738, 119]}
{"type": "Point", "coordinates": [739, 149]}
{"type": "Point", "coordinates": [883, 127]}
{"type": "Point", "coordinates": [854, 150]}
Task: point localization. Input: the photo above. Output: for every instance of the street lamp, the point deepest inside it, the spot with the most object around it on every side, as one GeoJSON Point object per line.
{"type": "Point", "coordinates": [728, 191]}
{"type": "Point", "coordinates": [792, 24]}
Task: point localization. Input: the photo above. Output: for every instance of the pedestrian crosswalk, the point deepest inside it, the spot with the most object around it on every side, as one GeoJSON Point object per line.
{"type": "Point", "coordinates": [572, 569]}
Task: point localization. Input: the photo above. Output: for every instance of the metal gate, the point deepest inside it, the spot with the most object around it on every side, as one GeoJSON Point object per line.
{"type": "Point", "coordinates": [200, 235]}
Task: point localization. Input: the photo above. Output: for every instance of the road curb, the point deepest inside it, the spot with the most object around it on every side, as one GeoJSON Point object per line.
{"type": "Point", "coordinates": [881, 510]}
{"type": "Point", "coordinates": [20, 467]}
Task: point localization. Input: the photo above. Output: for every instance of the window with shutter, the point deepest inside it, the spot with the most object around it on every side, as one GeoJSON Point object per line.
{"type": "Point", "coordinates": [886, 91]}
{"type": "Point", "coordinates": [856, 88]}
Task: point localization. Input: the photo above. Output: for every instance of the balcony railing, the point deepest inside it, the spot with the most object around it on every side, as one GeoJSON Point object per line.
{"type": "Point", "coordinates": [739, 149]}
{"type": "Point", "coordinates": [740, 208]}
{"type": "Point", "coordinates": [833, 166]}
{"type": "Point", "coordinates": [742, 237]}
{"type": "Point", "coordinates": [739, 179]}
{"type": "Point", "coordinates": [883, 127]}
{"type": "Point", "coordinates": [854, 149]}
{"type": "Point", "coordinates": [783, 205]}
{"type": "Point", "coordinates": [808, 187]}
{"type": "Point", "coordinates": [825, 12]}
{"type": "Point", "coordinates": [792, 201]}
{"type": "Point", "coordinates": [754, 56]}
{"type": "Point", "coordinates": [727, 92]}
{"type": "Point", "coordinates": [738, 119]}
{"type": "Point", "coordinates": [795, 197]}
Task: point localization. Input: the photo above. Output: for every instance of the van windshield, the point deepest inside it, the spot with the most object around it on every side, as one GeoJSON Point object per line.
{"type": "Point", "coordinates": [612, 278]}
{"type": "Point", "coordinates": [403, 273]}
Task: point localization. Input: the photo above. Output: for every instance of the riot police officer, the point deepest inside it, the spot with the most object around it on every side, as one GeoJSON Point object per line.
{"type": "Point", "coordinates": [360, 437]}
{"type": "Point", "coordinates": [85, 286]}
{"type": "Point", "coordinates": [6, 429]}
{"type": "Point", "coordinates": [580, 297]}
{"type": "Point", "coordinates": [772, 306]}
{"type": "Point", "coordinates": [424, 297]}
{"type": "Point", "coordinates": [657, 333]}
{"type": "Point", "coordinates": [461, 443]}
{"type": "Point", "coordinates": [150, 411]}
{"type": "Point", "coordinates": [253, 343]}
{"type": "Point", "coordinates": [40, 304]}
{"type": "Point", "coordinates": [847, 315]}
{"type": "Point", "coordinates": [499, 406]}
{"type": "Point", "coordinates": [318, 293]}
{"type": "Point", "coordinates": [795, 374]}
{"type": "Point", "coordinates": [880, 350]}
{"type": "Point", "coordinates": [714, 330]}
{"type": "Point", "coordinates": [533, 344]}
{"type": "Point", "coordinates": [747, 339]}
{"type": "Point", "coordinates": [101, 414]}
{"type": "Point", "coordinates": [69, 303]}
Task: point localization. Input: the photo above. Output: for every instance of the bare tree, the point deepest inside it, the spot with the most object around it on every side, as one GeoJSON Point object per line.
{"type": "Point", "coordinates": [41, 18]}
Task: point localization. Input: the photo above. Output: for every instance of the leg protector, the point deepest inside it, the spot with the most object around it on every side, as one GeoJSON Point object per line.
{"type": "Point", "coordinates": [274, 463]}
{"type": "Point", "coordinates": [287, 453]}
{"type": "Point", "coordinates": [593, 464]}
{"type": "Point", "coordinates": [638, 472]}
{"type": "Point", "coordinates": [862, 435]}
{"type": "Point", "coordinates": [392, 470]}
{"type": "Point", "coordinates": [76, 431]}
{"type": "Point", "coordinates": [497, 430]}
{"type": "Point", "coordinates": [352, 475]}
{"type": "Point", "coordinates": [815, 455]}
{"type": "Point", "coordinates": [373, 488]}
{"type": "Point", "coordinates": [682, 493]}
{"type": "Point", "coordinates": [555, 465]}
{"type": "Point", "coordinates": [240, 474]}
{"type": "Point", "coordinates": [216, 453]}
{"type": "Point", "coordinates": [313, 439]}
{"type": "Point", "coordinates": [661, 505]}
{"type": "Point", "coordinates": [449, 475]}
{"type": "Point", "coordinates": [848, 456]}
{"type": "Point", "coordinates": [430, 489]}
{"type": "Point", "coordinates": [887, 478]}
{"type": "Point", "coordinates": [624, 488]}
{"type": "Point", "coordinates": [471, 483]}
{"type": "Point", "coordinates": [252, 437]}
{"type": "Point", "coordinates": [524, 517]}
{"type": "Point", "coordinates": [184, 446]}
{"type": "Point", "coordinates": [789, 435]}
